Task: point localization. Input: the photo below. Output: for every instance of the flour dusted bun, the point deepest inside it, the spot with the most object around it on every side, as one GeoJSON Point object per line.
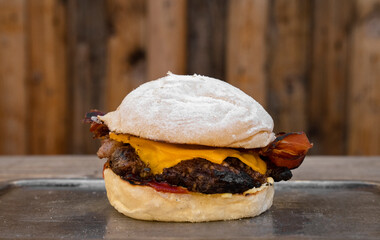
{"type": "Point", "coordinates": [192, 110]}
{"type": "Point", "coordinates": [145, 203]}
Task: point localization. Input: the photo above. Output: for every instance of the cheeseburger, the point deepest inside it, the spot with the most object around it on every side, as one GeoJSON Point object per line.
{"type": "Point", "coordinates": [193, 149]}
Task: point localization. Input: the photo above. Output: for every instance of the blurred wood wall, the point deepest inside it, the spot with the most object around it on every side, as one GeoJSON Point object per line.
{"type": "Point", "coordinates": [313, 64]}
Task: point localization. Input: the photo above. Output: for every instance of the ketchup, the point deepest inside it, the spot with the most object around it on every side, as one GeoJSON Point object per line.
{"type": "Point", "coordinates": [159, 187]}
{"type": "Point", "coordinates": [164, 187]}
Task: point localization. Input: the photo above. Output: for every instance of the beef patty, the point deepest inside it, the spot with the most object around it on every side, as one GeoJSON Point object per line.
{"type": "Point", "coordinates": [200, 175]}
{"type": "Point", "coordinates": [197, 175]}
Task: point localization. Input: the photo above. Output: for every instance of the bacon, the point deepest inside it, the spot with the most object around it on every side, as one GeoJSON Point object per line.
{"type": "Point", "coordinates": [164, 187]}
{"type": "Point", "coordinates": [287, 150]}
{"type": "Point", "coordinates": [97, 127]}
{"type": "Point", "coordinates": [99, 130]}
{"type": "Point", "coordinates": [92, 113]}
{"type": "Point", "coordinates": [108, 147]}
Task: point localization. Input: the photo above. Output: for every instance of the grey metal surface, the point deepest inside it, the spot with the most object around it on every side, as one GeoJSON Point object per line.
{"type": "Point", "coordinates": [78, 209]}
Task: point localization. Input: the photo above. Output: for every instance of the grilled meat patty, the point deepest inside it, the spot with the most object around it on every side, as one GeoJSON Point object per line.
{"type": "Point", "coordinates": [200, 175]}
{"type": "Point", "coordinates": [197, 175]}
{"type": "Point", "coordinates": [126, 163]}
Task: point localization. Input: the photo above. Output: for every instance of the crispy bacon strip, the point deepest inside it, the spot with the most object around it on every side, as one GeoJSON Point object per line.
{"type": "Point", "coordinates": [164, 187]}
{"type": "Point", "coordinates": [287, 150]}
{"type": "Point", "coordinates": [97, 128]}
{"type": "Point", "coordinates": [92, 113]}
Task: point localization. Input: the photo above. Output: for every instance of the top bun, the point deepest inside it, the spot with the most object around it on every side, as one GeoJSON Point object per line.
{"type": "Point", "coordinates": [192, 110]}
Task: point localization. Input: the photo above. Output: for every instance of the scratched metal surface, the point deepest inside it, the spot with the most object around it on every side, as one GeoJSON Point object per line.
{"type": "Point", "coordinates": [78, 209]}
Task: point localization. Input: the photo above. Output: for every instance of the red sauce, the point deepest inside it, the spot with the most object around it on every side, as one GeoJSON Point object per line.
{"type": "Point", "coordinates": [164, 187]}
{"type": "Point", "coordinates": [160, 187]}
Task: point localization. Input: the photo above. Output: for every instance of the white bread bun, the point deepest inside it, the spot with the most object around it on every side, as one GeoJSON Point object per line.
{"type": "Point", "coordinates": [145, 203]}
{"type": "Point", "coordinates": [192, 110]}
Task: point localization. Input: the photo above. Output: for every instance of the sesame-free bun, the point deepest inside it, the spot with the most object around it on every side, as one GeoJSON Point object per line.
{"type": "Point", "coordinates": [145, 203]}
{"type": "Point", "coordinates": [192, 110]}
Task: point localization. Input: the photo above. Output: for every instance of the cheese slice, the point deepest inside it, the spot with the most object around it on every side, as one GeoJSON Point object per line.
{"type": "Point", "coordinates": [160, 155]}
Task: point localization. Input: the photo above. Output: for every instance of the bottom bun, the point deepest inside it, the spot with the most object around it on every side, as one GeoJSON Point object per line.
{"type": "Point", "coordinates": [145, 203]}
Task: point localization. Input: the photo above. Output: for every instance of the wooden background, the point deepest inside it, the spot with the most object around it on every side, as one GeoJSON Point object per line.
{"type": "Point", "coordinates": [313, 64]}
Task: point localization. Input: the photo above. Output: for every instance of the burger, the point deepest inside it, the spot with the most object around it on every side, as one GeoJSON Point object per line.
{"type": "Point", "coordinates": [190, 148]}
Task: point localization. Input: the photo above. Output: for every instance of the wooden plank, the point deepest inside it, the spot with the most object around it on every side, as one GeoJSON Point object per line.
{"type": "Point", "coordinates": [80, 166]}
{"type": "Point", "coordinates": [207, 37]}
{"type": "Point", "coordinates": [47, 77]}
{"type": "Point", "coordinates": [246, 47]}
{"type": "Point", "coordinates": [59, 166]}
{"type": "Point", "coordinates": [364, 82]}
{"type": "Point", "coordinates": [288, 63]}
{"type": "Point", "coordinates": [12, 77]}
{"type": "Point", "coordinates": [338, 168]}
{"type": "Point", "coordinates": [87, 35]}
{"type": "Point", "coordinates": [126, 49]}
{"type": "Point", "coordinates": [167, 37]}
{"type": "Point", "coordinates": [327, 109]}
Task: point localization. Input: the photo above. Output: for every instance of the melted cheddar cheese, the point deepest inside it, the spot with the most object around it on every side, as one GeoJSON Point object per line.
{"type": "Point", "coordinates": [160, 155]}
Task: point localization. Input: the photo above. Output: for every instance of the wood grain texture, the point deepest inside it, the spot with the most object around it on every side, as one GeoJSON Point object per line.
{"type": "Point", "coordinates": [329, 73]}
{"type": "Point", "coordinates": [87, 36]}
{"type": "Point", "coordinates": [313, 64]}
{"type": "Point", "coordinates": [12, 77]}
{"type": "Point", "coordinates": [206, 38]}
{"type": "Point", "coordinates": [288, 63]}
{"type": "Point", "coordinates": [63, 166]}
{"type": "Point", "coordinates": [47, 77]}
{"type": "Point", "coordinates": [89, 166]}
{"type": "Point", "coordinates": [364, 81]}
{"type": "Point", "coordinates": [246, 47]}
{"type": "Point", "coordinates": [126, 49]}
{"type": "Point", "coordinates": [166, 37]}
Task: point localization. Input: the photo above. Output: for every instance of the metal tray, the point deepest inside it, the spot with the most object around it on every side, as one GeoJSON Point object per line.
{"type": "Point", "coordinates": [78, 209]}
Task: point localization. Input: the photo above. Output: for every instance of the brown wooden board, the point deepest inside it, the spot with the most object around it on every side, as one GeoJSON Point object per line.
{"type": "Point", "coordinates": [166, 37]}
{"type": "Point", "coordinates": [246, 47]}
{"type": "Point", "coordinates": [288, 63]}
{"type": "Point", "coordinates": [364, 81]}
{"type": "Point", "coordinates": [126, 49]}
{"type": "Point", "coordinates": [329, 73]}
{"type": "Point", "coordinates": [13, 137]}
{"type": "Point", "coordinates": [47, 77]}
{"type": "Point", "coordinates": [206, 23]}
{"type": "Point", "coordinates": [314, 65]}
{"type": "Point", "coordinates": [87, 36]}
{"type": "Point", "coordinates": [90, 166]}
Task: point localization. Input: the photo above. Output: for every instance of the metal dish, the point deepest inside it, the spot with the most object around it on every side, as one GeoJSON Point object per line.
{"type": "Point", "coordinates": [78, 209]}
